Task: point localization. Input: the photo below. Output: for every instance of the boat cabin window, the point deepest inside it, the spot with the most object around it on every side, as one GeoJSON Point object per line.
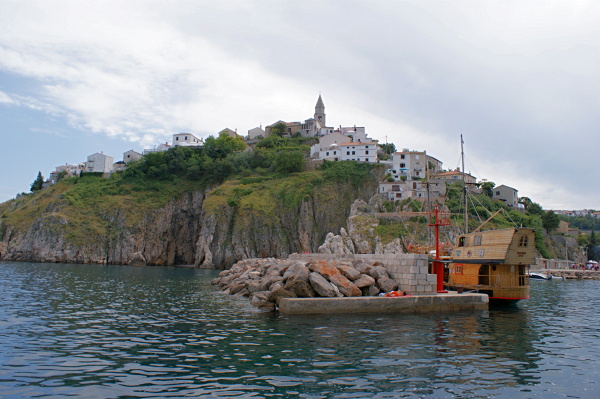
{"type": "Point", "coordinates": [477, 240]}
{"type": "Point", "coordinates": [523, 241]}
{"type": "Point", "coordinates": [461, 241]}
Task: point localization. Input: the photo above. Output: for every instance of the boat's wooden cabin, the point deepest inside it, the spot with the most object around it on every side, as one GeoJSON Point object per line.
{"type": "Point", "coordinates": [493, 262]}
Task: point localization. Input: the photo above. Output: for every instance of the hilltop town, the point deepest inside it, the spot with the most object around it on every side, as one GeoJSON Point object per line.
{"type": "Point", "coordinates": [409, 174]}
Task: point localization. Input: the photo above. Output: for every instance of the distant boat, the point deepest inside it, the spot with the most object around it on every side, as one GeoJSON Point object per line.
{"type": "Point", "coordinates": [544, 276]}
{"type": "Point", "coordinates": [538, 276]}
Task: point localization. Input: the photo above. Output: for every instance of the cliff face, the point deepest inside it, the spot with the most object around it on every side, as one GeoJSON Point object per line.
{"type": "Point", "coordinates": [200, 228]}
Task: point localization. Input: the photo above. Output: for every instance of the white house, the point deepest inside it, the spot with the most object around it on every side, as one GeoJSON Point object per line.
{"type": "Point", "coordinates": [186, 139]}
{"type": "Point", "coordinates": [359, 151]}
{"type": "Point", "coordinates": [416, 189]}
{"type": "Point", "coordinates": [506, 194]}
{"type": "Point", "coordinates": [118, 166]}
{"type": "Point", "coordinates": [69, 170]}
{"type": "Point", "coordinates": [130, 156]}
{"type": "Point", "coordinates": [413, 164]}
{"type": "Point", "coordinates": [356, 133]}
{"type": "Point", "coordinates": [158, 148]}
{"type": "Point", "coordinates": [457, 175]}
{"type": "Point", "coordinates": [229, 132]}
{"type": "Point", "coordinates": [337, 146]}
{"type": "Point", "coordinates": [257, 131]}
{"type": "Point", "coordinates": [99, 162]}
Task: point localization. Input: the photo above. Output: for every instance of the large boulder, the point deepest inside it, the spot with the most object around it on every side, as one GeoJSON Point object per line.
{"type": "Point", "coordinates": [236, 287]}
{"type": "Point", "coordinates": [262, 300]}
{"type": "Point", "coordinates": [280, 293]}
{"type": "Point", "coordinates": [323, 287]}
{"type": "Point", "coordinates": [324, 269]}
{"type": "Point", "coordinates": [377, 271]}
{"type": "Point", "coordinates": [348, 271]}
{"type": "Point", "coordinates": [301, 288]}
{"type": "Point", "coordinates": [387, 284]}
{"type": "Point", "coordinates": [370, 291]}
{"type": "Point", "coordinates": [345, 286]}
{"type": "Point", "coordinates": [361, 265]}
{"type": "Point", "coordinates": [364, 281]}
{"type": "Point", "coordinates": [298, 271]}
{"type": "Point", "coordinates": [268, 281]}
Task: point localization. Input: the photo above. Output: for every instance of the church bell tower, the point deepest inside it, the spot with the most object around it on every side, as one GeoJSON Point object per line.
{"type": "Point", "coordinates": [320, 112]}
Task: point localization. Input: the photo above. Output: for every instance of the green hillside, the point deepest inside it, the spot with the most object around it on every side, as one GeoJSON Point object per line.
{"type": "Point", "coordinates": [248, 195]}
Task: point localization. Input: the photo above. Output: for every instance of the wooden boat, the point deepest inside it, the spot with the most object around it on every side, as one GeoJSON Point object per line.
{"type": "Point", "coordinates": [494, 262]}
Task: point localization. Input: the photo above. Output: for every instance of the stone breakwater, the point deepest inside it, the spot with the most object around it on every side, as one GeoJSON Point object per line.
{"type": "Point", "coordinates": [267, 281]}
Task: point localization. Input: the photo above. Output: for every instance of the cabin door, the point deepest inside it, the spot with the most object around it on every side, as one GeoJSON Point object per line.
{"type": "Point", "coordinates": [484, 275]}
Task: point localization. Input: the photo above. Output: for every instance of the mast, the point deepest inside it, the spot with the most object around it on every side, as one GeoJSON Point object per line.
{"type": "Point", "coordinates": [462, 157]}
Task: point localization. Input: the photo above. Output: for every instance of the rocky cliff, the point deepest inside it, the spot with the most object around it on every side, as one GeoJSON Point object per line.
{"type": "Point", "coordinates": [207, 228]}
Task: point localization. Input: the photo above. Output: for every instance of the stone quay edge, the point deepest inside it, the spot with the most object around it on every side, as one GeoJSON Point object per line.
{"type": "Point", "coordinates": [450, 302]}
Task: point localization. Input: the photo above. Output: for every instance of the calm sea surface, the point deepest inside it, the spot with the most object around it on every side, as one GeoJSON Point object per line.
{"type": "Point", "coordinates": [119, 332]}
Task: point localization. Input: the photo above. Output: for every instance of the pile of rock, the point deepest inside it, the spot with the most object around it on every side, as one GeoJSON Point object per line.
{"type": "Point", "coordinates": [266, 281]}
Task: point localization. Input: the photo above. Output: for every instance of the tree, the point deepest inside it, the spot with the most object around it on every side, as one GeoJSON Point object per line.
{"type": "Point", "coordinates": [278, 129]}
{"type": "Point", "coordinates": [61, 175]}
{"type": "Point", "coordinates": [535, 209]}
{"type": "Point", "coordinates": [223, 145]}
{"type": "Point", "coordinates": [488, 188]}
{"type": "Point", "coordinates": [388, 148]}
{"type": "Point", "coordinates": [526, 201]}
{"type": "Point", "coordinates": [37, 183]}
{"type": "Point", "coordinates": [550, 221]}
{"type": "Point", "coordinates": [289, 162]}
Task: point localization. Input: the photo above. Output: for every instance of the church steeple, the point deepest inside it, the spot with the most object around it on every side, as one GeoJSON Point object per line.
{"type": "Point", "coordinates": [320, 112]}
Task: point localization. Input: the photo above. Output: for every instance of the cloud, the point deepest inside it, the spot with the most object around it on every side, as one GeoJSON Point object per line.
{"type": "Point", "coordinates": [518, 79]}
{"type": "Point", "coordinates": [141, 79]}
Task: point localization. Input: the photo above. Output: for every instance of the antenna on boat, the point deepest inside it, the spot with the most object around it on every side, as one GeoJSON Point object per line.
{"type": "Point", "coordinates": [462, 157]}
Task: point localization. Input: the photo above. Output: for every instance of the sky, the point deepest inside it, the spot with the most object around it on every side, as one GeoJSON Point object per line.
{"type": "Point", "coordinates": [520, 80]}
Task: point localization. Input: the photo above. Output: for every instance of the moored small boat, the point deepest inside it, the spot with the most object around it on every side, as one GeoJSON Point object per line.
{"type": "Point", "coordinates": [538, 276]}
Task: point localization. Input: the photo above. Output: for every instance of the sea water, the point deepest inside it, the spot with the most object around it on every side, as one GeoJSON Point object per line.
{"type": "Point", "coordinates": [89, 331]}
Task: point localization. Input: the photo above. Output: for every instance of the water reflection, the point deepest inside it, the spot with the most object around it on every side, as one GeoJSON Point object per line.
{"type": "Point", "coordinates": [109, 331]}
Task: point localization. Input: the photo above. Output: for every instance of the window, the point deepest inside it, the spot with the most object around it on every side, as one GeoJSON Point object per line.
{"type": "Point", "coordinates": [347, 152]}
{"type": "Point", "coordinates": [185, 138]}
{"type": "Point", "coordinates": [367, 152]}
{"type": "Point", "coordinates": [327, 153]}
{"type": "Point", "coordinates": [477, 240]}
{"type": "Point", "coordinates": [353, 152]}
{"type": "Point", "coordinates": [523, 241]}
{"type": "Point", "coordinates": [358, 159]}
{"type": "Point", "coordinates": [402, 156]}
{"type": "Point", "coordinates": [403, 165]}
{"type": "Point", "coordinates": [334, 153]}
{"type": "Point", "coordinates": [177, 138]}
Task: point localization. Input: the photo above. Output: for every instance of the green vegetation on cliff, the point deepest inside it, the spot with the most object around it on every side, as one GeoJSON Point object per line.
{"type": "Point", "coordinates": [235, 202]}
{"type": "Point", "coordinates": [252, 183]}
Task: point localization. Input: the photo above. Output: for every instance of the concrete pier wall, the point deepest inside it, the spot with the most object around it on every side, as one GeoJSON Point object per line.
{"type": "Point", "coordinates": [404, 305]}
{"type": "Point", "coordinates": [410, 271]}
